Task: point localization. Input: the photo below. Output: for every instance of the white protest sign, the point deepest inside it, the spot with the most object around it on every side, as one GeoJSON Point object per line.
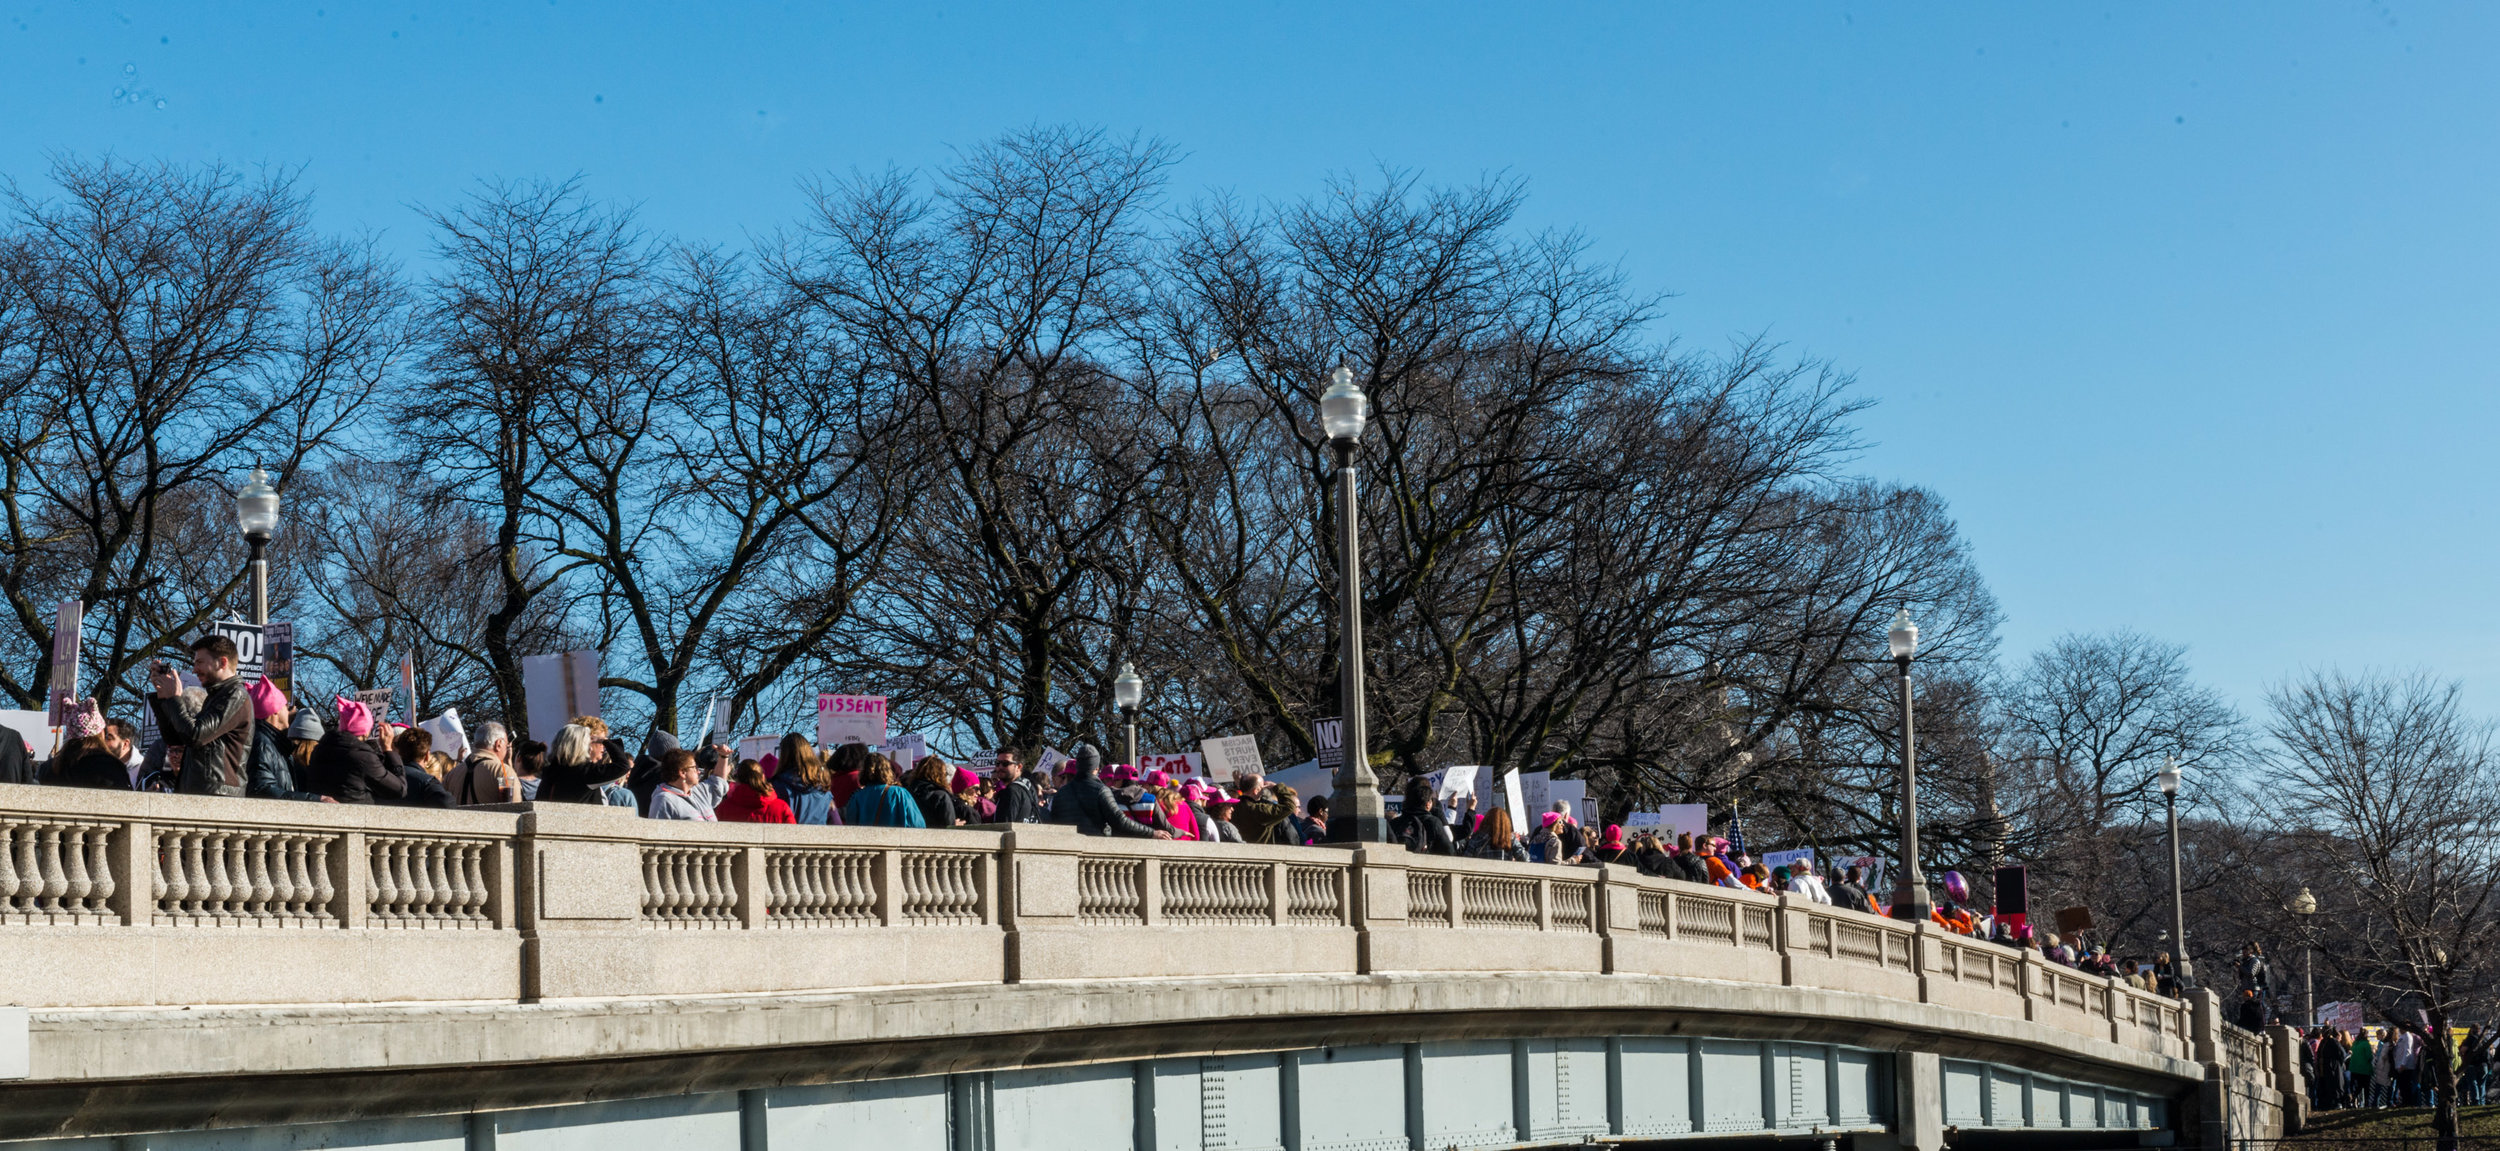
{"type": "Point", "coordinates": [1455, 783]}
{"type": "Point", "coordinates": [1178, 764]}
{"type": "Point", "coordinates": [756, 747]}
{"type": "Point", "coordinates": [1685, 819]}
{"type": "Point", "coordinates": [559, 687]}
{"type": "Point", "coordinates": [906, 751]}
{"type": "Point", "coordinates": [842, 719]}
{"type": "Point", "coordinates": [65, 627]}
{"type": "Point", "coordinates": [1642, 819]}
{"type": "Point", "coordinates": [982, 762]}
{"type": "Point", "coordinates": [1574, 792]}
{"type": "Point", "coordinates": [1514, 802]}
{"type": "Point", "coordinates": [1537, 791]}
{"type": "Point", "coordinates": [1231, 757]}
{"type": "Point", "coordinates": [378, 700]}
{"type": "Point", "coordinates": [1779, 859]}
{"type": "Point", "coordinates": [1052, 759]}
{"type": "Point", "coordinates": [449, 737]}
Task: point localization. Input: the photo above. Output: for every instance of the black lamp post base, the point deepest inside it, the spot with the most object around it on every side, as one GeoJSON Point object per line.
{"type": "Point", "coordinates": [1358, 829]}
{"type": "Point", "coordinates": [1913, 905]}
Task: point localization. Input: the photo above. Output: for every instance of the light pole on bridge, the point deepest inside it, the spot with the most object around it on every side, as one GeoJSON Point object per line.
{"type": "Point", "coordinates": [2305, 905]}
{"type": "Point", "coordinates": [256, 512]}
{"type": "Point", "coordinates": [2185, 968]}
{"type": "Point", "coordinates": [1128, 692]}
{"type": "Point", "coordinates": [1910, 900]}
{"type": "Point", "coordinates": [1355, 812]}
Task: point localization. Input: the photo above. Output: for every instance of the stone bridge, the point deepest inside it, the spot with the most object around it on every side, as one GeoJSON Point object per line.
{"type": "Point", "coordinates": [189, 972]}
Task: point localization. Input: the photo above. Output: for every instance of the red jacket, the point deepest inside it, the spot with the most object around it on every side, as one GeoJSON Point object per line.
{"type": "Point", "coordinates": [744, 804]}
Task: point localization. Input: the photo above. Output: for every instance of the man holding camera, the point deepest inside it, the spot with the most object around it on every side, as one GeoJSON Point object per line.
{"type": "Point", "coordinates": [216, 736]}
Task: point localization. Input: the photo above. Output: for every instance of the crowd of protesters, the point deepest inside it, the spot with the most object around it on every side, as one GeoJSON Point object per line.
{"type": "Point", "coordinates": [237, 738]}
{"type": "Point", "coordinates": [2386, 1066]}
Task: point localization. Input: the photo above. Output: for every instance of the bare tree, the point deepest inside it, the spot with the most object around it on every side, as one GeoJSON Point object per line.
{"type": "Point", "coordinates": [536, 296]}
{"type": "Point", "coordinates": [2089, 723]}
{"type": "Point", "coordinates": [162, 329]}
{"type": "Point", "coordinates": [2400, 794]}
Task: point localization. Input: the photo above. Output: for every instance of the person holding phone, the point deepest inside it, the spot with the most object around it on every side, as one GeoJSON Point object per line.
{"type": "Point", "coordinates": [216, 735]}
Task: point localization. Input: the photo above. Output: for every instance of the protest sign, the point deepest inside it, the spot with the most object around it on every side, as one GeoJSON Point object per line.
{"type": "Point", "coordinates": [1451, 784]}
{"type": "Point", "coordinates": [1052, 759]}
{"type": "Point", "coordinates": [278, 639]}
{"type": "Point", "coordinates": [842, 719]}
{"type": "Point", "coordinates": [982, 762]}
{"type": "Point", "coordinates": [1537, 792]}
{"type": "Point", "coordinates": [1231, 757]}
{"type": "Point", "coordinates": [1574, 792]}
{"type": "Point", "coordinates": [2343, 1016]}
{"type": "Point", "coordinates": [559, 687]}
{"type": "Point", "coordinates": [450, 737]}
{"type": "Point", "coordinates": [408, 685]}
{"type": "Point", "coordinates": [906, 751]}
{"type": "Point", "coordinates": [1776, 859]}
{"type": "Point", "coordinates": [1685, 819]}
{"type": "Point", "coordinates": [1328, 738]}
{"type": "Point", "coordinates": [1515, 802]}
{"type": "Point", "coordinates": [756, 747]}
{"type": "Point", "coordinates": [65, 627]}
{"type": "Point", "coordinates": [1642, 819]}
{"type": "Point", "coordinates": [248, 657]}
{"type": "Point", "coordinates": [1178, 764]}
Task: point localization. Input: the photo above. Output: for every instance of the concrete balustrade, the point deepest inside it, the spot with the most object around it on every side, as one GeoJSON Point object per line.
{"type": "Point", "coordinates": [116, 900]}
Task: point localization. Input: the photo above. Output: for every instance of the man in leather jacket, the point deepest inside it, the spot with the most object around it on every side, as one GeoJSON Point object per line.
{"type": "Point", "coordinates": [217, 736]}
{"type": "Point", "coordinates": [1087, 802]}
{"type": "Point", "coordinates": [1019, 800]}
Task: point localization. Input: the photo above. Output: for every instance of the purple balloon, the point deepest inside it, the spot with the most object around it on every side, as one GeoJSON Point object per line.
{"type": "Point", "coordinates": [1957, 887]}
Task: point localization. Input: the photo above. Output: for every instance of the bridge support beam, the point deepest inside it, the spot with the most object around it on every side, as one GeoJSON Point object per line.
{"type": "Point", "coordinates": [1917, 1105]}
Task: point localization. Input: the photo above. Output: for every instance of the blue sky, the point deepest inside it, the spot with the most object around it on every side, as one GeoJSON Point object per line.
{"type": "Point", "coordinates": [2186, 309]}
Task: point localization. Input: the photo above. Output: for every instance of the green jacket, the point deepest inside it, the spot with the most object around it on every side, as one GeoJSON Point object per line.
{"type": "Point", "coordinates": [1263, 821]}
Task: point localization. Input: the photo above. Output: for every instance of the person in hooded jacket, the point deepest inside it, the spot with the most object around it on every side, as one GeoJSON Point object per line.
{"type": "Point", "coordinates": [1610, 849]}
{"type": "Point", "coordinates": [1019, 799]}
{"type": "Point", "coordinates": [351, 766]}
{"type": "Point", "coordinates": [419, 769]}
{"type": "Point", "coordinates": [273, 758]}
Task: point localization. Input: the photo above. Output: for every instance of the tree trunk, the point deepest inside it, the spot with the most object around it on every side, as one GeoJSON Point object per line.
{"type": "Point", "coordinates": [2443, 1069]}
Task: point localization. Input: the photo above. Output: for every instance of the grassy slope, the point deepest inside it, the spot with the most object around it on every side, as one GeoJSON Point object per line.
{"type": "Point", "coordinates": [2334, 1129]}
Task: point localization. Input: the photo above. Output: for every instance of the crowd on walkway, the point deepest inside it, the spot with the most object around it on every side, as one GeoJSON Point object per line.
{"type": "Point", "coordinates": [238, 738]}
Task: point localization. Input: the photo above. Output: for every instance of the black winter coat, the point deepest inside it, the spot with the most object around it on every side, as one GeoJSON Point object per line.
{"type": "Point", "coordinates": [273, 770]}
{"type": "Point", "coordinates": [422, 790]}
{"type": "Point", "coordinates": [95, 768]}
{"type": "Point", "coordinates": [1018, 802]}
{"type": "Point", "coordinates": [352, 769]}
{"type": "Point", "coordinates": [1086, 802]}
{"type": "Point", "coordinates": [938, 806]}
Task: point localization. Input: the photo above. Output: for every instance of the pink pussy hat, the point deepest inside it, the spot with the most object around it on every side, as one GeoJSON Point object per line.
{"type": "Point", "coordinates": [354, 718]}
{"type": "Point", "coordinates": [267, 700]}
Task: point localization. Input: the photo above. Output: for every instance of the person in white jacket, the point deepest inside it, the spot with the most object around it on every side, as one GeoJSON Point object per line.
{"type": "Point", "coordinates": [1803, 881]}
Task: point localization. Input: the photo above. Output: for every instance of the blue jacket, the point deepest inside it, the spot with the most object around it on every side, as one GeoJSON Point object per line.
{"type": "Point", "coordinates": [883, 806]}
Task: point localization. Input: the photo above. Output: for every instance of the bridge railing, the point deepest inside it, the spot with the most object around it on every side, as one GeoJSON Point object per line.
{"type": "Point", "coordinates": [120, 899]}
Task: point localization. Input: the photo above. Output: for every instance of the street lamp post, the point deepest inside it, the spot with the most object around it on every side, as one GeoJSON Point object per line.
{"type": "Point", "coordinates": [256, 512]}
{"type": "Point", "coordinates": [1127, 692]}
{"type": "Point", "coordinates": [2185, 969]}
{"type": "Point", "coordinates": [1355, 813]}
{"type": "Point", "coordinates": [2305, 905]}
{"type": "Point", "coordinates": [1910, 900]}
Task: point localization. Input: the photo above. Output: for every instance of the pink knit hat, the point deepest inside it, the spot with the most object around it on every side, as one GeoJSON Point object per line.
{"type": "Point", "coordinates": [86, 721]}
{"type": "Point", "coordinates": [354, 718]}
{"type": "Point", "coordinates": [267, 700]}
{"type": "Point", "coordinates": [965, 780]}
{"type": "Point", "coordinates": [1552, 818]}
